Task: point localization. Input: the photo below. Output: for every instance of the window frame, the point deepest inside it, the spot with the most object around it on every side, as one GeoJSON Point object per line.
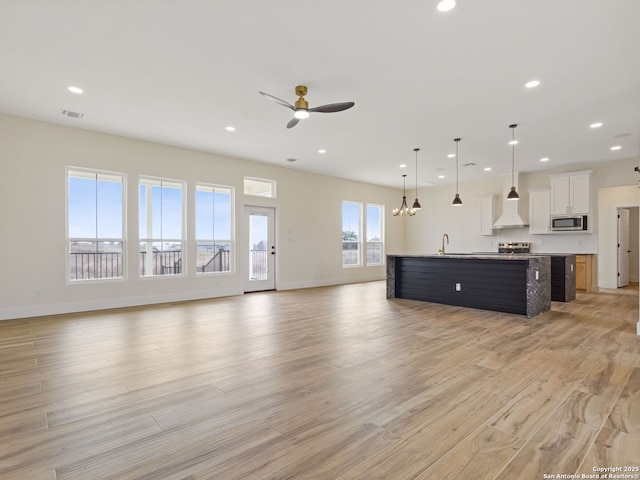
{"type": "Point", "coordinates": [83, 172]}
{"type": "Point", "coordinates": [150, 181]}
{"type": "Point", "coordinates": [264, 181]}
{"type": "Point", "coordinates": [231, 240]}
{"type": "Point", "coordinates": [358, 241]}
{"type": "Point", "coordinates": [382, 232]}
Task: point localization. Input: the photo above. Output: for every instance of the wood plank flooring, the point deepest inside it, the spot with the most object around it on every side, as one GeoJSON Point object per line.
{"type": "Point", "coordinates": [335, 383]}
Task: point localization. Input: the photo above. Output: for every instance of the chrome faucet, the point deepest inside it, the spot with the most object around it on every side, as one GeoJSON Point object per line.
{"type": "Point", "coordinates": [441, 251]}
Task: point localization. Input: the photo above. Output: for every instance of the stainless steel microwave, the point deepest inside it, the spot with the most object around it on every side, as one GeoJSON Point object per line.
{"type": "Point", "coordinates": [569, 223]}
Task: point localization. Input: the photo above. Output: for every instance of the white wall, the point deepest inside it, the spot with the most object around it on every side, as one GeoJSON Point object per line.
{"type": "Point", "coordinates": [33, 157]}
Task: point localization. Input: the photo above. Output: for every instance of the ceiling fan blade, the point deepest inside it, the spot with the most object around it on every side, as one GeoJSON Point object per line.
{"type": "Point", "coordinates": [332, 107]}
{"type": "Point", "coordinates": [277, 100]}
{"type": "Point", "coordinates": [293, 122]}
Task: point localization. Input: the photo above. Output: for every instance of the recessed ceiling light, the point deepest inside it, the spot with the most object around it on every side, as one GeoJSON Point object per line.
{"type": "Point", "coordinates": [532, 84]}
{"type": "Point", "coordinates": [76, 90]}
{"type": "Point", "coordinates": [616, 147]}
{"type": "Point", "coordinates": [446, 5]}
{"type": "Point", "coordinates": [440, 176]}
{"type": "Point", "coordinates": [403, 165]}
{"type": "Point", "coordinates": [487, 169]}
{"type": "Point", "coordinates": [513, 142]}
{"type": "Point", "coordinates": [544, 159]}
{"type": "Point", "coordinates": [322, 150]}
{"type": "Point", "coordinates": [230, 128]}
{"type": "Point", "coordinates": [451, 155]}
{"type": "Point", "coordinates": [596, 125]}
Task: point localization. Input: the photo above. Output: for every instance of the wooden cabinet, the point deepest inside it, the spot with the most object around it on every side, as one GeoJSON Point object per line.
{"type": "Point", "coordinates": [539, 211]}
{"type": "Point", "coordinates": [487, 213]}
{"type": "Point", "coordinates": [570, 193]}
{"type": "Point", "coordinates": [584, 274]}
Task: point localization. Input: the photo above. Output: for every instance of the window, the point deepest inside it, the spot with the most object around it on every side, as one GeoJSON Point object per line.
{"type": "Point", "coordinates": [351, 234]}
{"type": "Point", "coordinates": [95, 224]}
{"type": "Point", "coordinates": [375, 229]}
{"type": "Point", "coordinates": [161, 227]}
{"type": "Point", "coordinates": [214, 228]}
{"type": "Point", "coordinates": [259, 187]}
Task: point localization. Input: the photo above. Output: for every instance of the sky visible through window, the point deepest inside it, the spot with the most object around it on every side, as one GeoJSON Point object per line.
{"type": "Point", "coordinates": [95, 211]}
{"type": "Point", "coordinates": [351, 217]}
{"type": "Point", "coordinates": [166, 211]}
{"type": "Point", "coordinates": [213, 215]}
{"type": "Point", "coordinates": [89, 205]}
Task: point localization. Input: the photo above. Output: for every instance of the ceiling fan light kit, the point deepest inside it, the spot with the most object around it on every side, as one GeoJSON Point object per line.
{"type": "Point", "coordinates": [301, 108]}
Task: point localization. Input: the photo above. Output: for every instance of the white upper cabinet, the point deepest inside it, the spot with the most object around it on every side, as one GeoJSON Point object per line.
{"type": "Point", "coordinates": [570, 193]}
{"type": "Point", "coordinates": [539, 219]}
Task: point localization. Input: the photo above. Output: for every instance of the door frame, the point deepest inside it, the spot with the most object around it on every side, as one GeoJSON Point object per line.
{"type": "Point", "coordinates": [622, 247]}
{"type": "Point", "coordinates": [243, 262]}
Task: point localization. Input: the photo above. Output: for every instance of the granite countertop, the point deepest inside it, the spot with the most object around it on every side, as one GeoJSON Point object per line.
{"type": "Point", "coordinates": [485, 256]}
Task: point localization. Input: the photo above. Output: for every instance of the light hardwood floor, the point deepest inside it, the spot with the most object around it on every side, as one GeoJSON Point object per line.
{"type": "Point", "coordinates": [329, 383]}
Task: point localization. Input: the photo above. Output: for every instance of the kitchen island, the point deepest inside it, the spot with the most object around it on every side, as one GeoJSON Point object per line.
{"type": "Point", "coordinates": [519, 284]}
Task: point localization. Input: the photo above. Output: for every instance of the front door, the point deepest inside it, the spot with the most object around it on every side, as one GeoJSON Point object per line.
{"type": "Point", "coordinates": [260, 253]}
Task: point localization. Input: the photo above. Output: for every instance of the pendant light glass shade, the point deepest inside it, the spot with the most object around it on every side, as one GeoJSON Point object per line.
{"type": "Point", "coordinates": [416, 204]}
{"type": "Point", "coordinates": [513, 195]}
{"type": "Point", "coordinates": [404, 210]}
{"type": "Point", "coordinates": [457, 201]}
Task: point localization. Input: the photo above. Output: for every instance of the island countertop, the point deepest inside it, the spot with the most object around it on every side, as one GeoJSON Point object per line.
{"type": "Point", "coordinates": [518, 283]}
{"type": "Point", "coordinates": [492, 256]}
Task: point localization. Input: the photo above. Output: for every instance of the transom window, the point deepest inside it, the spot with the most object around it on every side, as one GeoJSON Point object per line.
{"type": "Point", "coordinates": [260, 187]}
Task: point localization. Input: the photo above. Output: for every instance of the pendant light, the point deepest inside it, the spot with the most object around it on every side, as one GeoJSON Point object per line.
{"type": "Point", "coordinates": [457, 201]}
{"type": "Point", "coordinates": [404, 210]}
{"type": "Point", "coordinates": [513, 195]}
{"type": "Point", "coordinates": [416, 204]}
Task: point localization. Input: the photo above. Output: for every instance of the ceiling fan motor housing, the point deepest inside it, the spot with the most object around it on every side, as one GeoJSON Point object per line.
{"type": "Point", "coordinates": [301, 91]}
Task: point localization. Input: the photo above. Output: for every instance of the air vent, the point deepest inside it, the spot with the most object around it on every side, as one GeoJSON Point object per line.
{"type": "Point", "coordinates": [69, 113]}
{"type": "Point", "coordinates": [470, 164]}
{"type": "Point", "coordinates": [292, 160]}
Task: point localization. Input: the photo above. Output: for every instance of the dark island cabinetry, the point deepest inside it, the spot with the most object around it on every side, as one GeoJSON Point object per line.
{"type": "Point", "coordinates": [520, 285]}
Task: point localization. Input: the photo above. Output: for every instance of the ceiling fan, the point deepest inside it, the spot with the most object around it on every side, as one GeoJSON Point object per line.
{"type": "Point", "coordinates": [301, 107]}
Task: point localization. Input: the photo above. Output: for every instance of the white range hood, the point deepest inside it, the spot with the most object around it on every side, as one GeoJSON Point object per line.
{"type": "Point", "coordinates": [510, 217]}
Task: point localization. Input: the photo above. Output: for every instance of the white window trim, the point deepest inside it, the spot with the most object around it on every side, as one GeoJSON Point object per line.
{"type": "Point", "coordinates": [90, 173]}
{"type": "Point", "coordinates": [154, 180]}
{"type": "Point", "coordinates": [232, 241]}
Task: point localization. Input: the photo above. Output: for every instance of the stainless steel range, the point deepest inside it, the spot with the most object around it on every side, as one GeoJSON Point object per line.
{"type": "Point", "coordinates": [513, 247]}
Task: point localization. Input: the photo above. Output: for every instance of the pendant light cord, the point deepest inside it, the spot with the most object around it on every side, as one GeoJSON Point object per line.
{"type": "Point", "coordinates": [513, 154]}
{"type": "Point", "coordinates": [457, 140]}
{"type": "Point", "coordinates": [416, 150]}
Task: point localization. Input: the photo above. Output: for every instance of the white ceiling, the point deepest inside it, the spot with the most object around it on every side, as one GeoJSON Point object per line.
{"type": "Point", "coordinates": [179, 71]}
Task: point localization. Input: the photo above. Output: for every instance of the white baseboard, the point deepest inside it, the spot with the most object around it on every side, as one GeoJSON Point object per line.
{"type": "Point", "coordinates": [326, 283]}
{"type": "Point", "coordinates": [106, 304]}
